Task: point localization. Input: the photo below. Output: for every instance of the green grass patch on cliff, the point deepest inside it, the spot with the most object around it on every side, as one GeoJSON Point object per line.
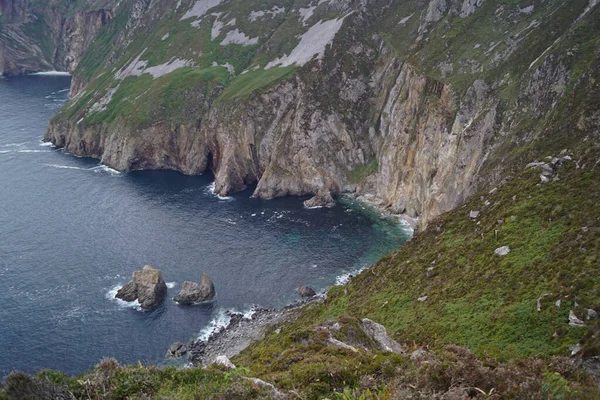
{"type": "Point", "coordinates": [362, 171]}
{"type": "Point", "coordinates": [177, 98]}
{"type": "Point", "coordinates": [253, 81]}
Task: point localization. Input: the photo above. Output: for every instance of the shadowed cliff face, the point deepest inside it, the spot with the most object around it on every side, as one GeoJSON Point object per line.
{"type": "Point", "coordinates": [409, 106]}
{"type": "Point", "coordinates": [38, 37]}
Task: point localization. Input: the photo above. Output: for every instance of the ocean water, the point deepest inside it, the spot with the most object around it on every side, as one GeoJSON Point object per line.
{"type": "Point", "coordinates": [72, 232]}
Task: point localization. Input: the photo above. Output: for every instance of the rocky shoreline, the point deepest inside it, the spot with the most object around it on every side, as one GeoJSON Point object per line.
{"type": "Point", "coordinates": [241, 332]}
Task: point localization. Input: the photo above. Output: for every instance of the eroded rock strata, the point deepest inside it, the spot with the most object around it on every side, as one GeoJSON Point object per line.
{"type": "Point", "coordinates": [396, 103]}
{"type": "Point", "coordinates": [48, 36]}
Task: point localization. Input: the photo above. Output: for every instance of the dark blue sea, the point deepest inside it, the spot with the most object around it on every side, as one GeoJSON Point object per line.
{"type": "Point", "coordinates": [72, 232]}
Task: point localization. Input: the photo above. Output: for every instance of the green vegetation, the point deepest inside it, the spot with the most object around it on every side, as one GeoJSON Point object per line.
{"type": "Point", "coordinates": [362, 171]}
{"type": "Point", "coordinates": [244, 85]}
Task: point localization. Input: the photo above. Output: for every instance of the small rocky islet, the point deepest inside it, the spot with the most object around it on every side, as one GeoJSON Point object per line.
{"type": "Point", "coordinates": [149, 288]}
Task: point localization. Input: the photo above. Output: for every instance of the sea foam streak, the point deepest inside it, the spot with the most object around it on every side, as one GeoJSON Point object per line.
{"type": "Point", "coordinates": [46, 144]}
{"type": "Point", "coordinates": [104, 168]}
{"type": "Point", "coordinates": [64, 167]}
{"type": "Point", "coordinates": [345, 278]}
{"type": "Point", "coordinates": [211, 190]}
{"type": "Point", "coordinates": [51, 73]}
{"type": "Point", "coordinates": [33, 151]}
{"type": "Point", "coordinates": [171, 285]}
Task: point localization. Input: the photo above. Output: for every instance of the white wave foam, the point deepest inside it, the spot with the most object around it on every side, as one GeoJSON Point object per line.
{"type": "Point", "coordinates": [63, 90]}
{"type": "Point", "coordinates": [250, 313]}
{"type": "Point", "coordinates": [5, 151]}
{"type": "Point", "coordinates": [15, 144]}
{"type": "Point", "coordinates": [345, 278]}
{"type": "Point", "coordinates": [218, 323]}
{"type": "Point", "coordinates": [33, 151]}
{"type": "Point", "coordinates": [124, 304]}
{"type": "Point", "coordinates": [104, 168]}
{"type": "Point", "coordinates": [210, 189]}
{"type": "Point", "coordinates": [47, 144]}
{"type": "Point", "coordinates": [171, 285]}
{"type": "Point", "coordinates": [223, 319]}
{"type": "Point", "coordinates": [51, 73]}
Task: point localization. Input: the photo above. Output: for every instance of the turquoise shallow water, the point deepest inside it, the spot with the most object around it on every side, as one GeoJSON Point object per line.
{"type": "Point", "coordinates": [73, 231]}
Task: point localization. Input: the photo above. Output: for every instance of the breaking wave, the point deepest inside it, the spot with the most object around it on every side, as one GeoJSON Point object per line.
{"type": "Point", "coordinates": [210, 189]}
{"type": "Point", "coordinates": [123, 304]}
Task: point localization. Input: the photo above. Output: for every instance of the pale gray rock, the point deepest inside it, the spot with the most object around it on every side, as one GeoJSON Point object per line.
{"type": "Point", "coordinates": [419, 353]}
{"type": "Point", "coordinates": [473, 214]}
{"type": "Point", "coordinates": [379, 334]}
{"type": "Point", "coordinates": [225, 362]}
{"type": "Point", "coordinates": [574, 321]}
{"type": "Point", "coordinates": [502, 251]}
{"type": "Point", "coordinates": [259, 383]}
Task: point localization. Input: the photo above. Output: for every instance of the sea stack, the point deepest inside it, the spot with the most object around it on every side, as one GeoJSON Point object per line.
{"type": "Point", "coordinates": [192, 292]}
{"type": "Point", "coordinates": [146, 286]}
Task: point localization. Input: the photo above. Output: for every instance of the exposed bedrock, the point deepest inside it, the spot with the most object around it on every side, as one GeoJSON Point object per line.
{"type": "Point", "coordinates": [407, 127]}
{"type": "Point", "coordinates": [55, 36]}
{"type": "Point", "coordinates": [429, 146]}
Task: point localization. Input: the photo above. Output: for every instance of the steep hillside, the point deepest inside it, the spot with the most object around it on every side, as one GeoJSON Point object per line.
{"type": "Point", "coordinates": [50, 35]}
{"type": "Point", "coordinates": [469, 321]}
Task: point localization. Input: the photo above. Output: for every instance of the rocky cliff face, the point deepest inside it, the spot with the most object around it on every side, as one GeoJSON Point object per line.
{"type": "Point", "coordinates": [53, 35]}
{"type": "Point", "coordinates": [409, 105]}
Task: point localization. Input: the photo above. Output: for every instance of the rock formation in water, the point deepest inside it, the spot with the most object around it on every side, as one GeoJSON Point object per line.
{"type": "Point", "coordinates": [306, 292]}
{"type": "Point", "coordinates": [192, 292]}
{"type": "Point", "coordinates": [398, 103]}
{"type": "Point", "coordinates": [146, 286]}
{"type": "Point", "coordinates": [49, 35]}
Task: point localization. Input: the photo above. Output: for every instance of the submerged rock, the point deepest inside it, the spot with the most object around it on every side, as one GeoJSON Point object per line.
{"type": "Point", "coordinates": [306, 292]}
{"type": "Point", "coordinates": [192, 292]}
{"type": "Point", "coordinates": [147, 286]}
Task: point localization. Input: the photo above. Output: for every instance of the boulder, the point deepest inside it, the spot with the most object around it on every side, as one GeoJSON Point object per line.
{"type": "Point", "coordinates": [574, 321]}
{"type": "Point", "coordinates": [378, 333]}
{"type": "Point", "coordinates": [473, 214]}
{"type": "Point", "coordinates": [306, 292]}
{"type": "Point", "coordinates": [192, 292]}
{"type": "Point", "coordinates": [502, 251]}
{"type": "Point", "coordinates": [177, 349]}
{"type": "Point", "coordinates": [147, 286]}
{"type": "Point", "coordinates": [225, 362]}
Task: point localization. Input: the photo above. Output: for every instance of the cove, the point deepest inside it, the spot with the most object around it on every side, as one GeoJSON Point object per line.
{"type": "Point", "coordinates": [73, 231]}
